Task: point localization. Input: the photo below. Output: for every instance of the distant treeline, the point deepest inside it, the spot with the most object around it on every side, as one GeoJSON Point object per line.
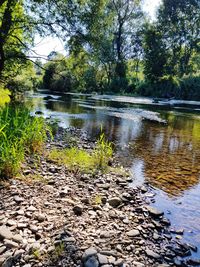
{"type": "Point", "coordinates": [111, 46]}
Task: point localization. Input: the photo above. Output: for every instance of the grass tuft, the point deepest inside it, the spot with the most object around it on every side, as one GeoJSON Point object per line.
{"type": "Point", "coordinates": [76, 159]}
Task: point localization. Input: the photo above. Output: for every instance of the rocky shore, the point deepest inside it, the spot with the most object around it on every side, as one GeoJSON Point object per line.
{"type": "Point", "coordinates": [52, 217]}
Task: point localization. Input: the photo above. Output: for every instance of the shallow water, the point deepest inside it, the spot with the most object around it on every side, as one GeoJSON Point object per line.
{"type": "Point", "coordinates": [159, 141]}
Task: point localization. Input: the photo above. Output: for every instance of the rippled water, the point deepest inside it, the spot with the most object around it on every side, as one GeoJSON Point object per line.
{"type": "Point", "coordinates": [159, 141]}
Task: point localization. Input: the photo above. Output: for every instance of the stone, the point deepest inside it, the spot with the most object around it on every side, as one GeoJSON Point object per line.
{"type": "Point", "coordinates": [78, 210]}
{"type": "Point", "coordinates": [91, 262]}
{"type": "Point", "coordinates": [178, 232]}
{"type": "Point", "coordinates": [33, 228]}
{"type": "Point", "coordinates": [11, 223]}
{"type": "Point", "coordinates": [8, 262]}
{"type": "Point", "coordinates": [88, 253]}
{"type": "Point", "coordinates": [119, 263]}
{"type": "Point", "coordinates": [5, 232]}
{"type": "Point", "coordinates": [153, 211]}
{"type": "Point", "coordinates": [31, 208]}
{"type": "Point", "coordinates": [138, 264]}
{"type": "Point", "coordinates": [114, 202]}
{"type": "Point", "coordinates": [102, 259]}
{"type": "Point", "coordinates": [152, 254]}
{"type": "Point", "coordinates": [22, 225]}
{"type": "Point", "coordinates": [40, 217]}
{"type": "Point", "coordinates": [133, 233]}
{"type": "Point", "coordinates": [10, 244]}
{"type": "Point", "coordinates": [18, 199]}
{"type": "Point", "coordinates": [2, 249]}
{"type": "Point", "coordinates": [17, 238]}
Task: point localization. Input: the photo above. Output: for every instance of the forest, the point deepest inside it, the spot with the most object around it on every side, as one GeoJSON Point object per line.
{"type": "Point", "coordinates": [111, 46]}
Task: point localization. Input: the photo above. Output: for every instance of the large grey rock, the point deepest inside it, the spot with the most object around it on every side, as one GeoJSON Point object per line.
{"type": "Point", "coordinates": [5, 232]}
{"type": "Point", "coordinates": [89, 253]}
{"type": "Point", "coordinates": [102, 259]}
{"type": "Point", "coordinates": [91, 262]}
{"type": "Point", "coordinates": [153, 211]}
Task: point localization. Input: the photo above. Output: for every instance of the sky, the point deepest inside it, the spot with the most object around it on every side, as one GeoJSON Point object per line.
{"type": "Point", "coordinates": [43, 46]}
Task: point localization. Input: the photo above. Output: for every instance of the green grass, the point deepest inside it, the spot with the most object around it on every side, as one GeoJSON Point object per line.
{"type": "Point", "coordinates": [20, 134]}
{"type": "Point", "coordinates": [76, 159]}
{"type": "Point", "coordinates": [4, 96]}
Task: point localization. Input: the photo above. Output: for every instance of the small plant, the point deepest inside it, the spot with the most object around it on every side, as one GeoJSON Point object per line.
{"type": "Point", "coordinates": [98, 200]}
{"type": "Point", "coordinates": [103, 152]}
{"type": "Point", "coordinates": [81, 160]}
{"type": "Point", "coordinates": [59, 249]}
{"type": "Point", "coordinates": [75, 159]}
{"type": "Point", "coordinates": [36, 254]}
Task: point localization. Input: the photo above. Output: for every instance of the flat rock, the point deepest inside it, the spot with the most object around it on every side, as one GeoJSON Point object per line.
{"type": "Point", "coordinates": [152, 254]}
{"type": "Point", "coordinates": [138, 264]}
{"type": "Point", "coordinates": [153, 211]}
{"type": "Point", "coordinates": [5, 232]}
{"type": "Point", "coordinates": [133, 233]}
{"type": "Point", "coordinates": [102, 259]}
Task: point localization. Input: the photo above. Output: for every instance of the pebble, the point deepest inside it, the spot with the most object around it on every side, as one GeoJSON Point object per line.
{"type": "Point", "coordinates": [114, 202]}
{"type": "Point", "coordinates": [152, 254]}
{"type": "Point", "coordinates": [133, 233]}
{"type": "Point", "coordinates": [5, 232]}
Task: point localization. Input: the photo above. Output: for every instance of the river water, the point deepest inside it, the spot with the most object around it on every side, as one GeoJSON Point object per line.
{"type": "Point", "coordinates": [160, 142]}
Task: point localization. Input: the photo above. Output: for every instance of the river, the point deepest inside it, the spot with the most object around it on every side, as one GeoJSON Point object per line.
{"type": "Point", "coordinates": [160, 142]}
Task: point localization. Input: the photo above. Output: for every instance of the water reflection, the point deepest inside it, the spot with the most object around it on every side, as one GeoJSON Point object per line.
{"type": "Point", "coordinates": [168, 156]}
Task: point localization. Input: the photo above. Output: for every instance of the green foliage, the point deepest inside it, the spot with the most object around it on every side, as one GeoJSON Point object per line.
{"type": "Point", "coordinates": [189, 88]}
{"type": "Point", "coordinates": [4, 96]}
{"type": "Point", "coordinates": [155, 57]}
{"type": "Point", "coordinates": [20, 134]}
{"type": "Point", "coordinates": [103, 152]}
{"type": "Point", "coordinates": [81, 160]}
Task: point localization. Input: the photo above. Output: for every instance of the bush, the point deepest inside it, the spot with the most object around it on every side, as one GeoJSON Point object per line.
{"type": "Point", "coordinates": [166, 87]}
{"type": "Point", "coordinates": [20, 134]}
{"type": "Point", "coordinates": [190, 88]}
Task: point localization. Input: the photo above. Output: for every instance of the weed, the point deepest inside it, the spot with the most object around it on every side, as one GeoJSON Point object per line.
{"type": "Point", "coordinates": [98, 200]}
{"type": "Point", "coordinates": [103, 152]}
{"type": "Point", "coordinates": [81, 160]}
{"type": "Point", "coordinates": [59, 249]}
{"type": "Point", "coordinates": [36, 254]}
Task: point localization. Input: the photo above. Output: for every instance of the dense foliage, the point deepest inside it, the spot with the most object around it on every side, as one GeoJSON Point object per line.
{"type": "Point", "coordinates": [20, 135]}
{"type": "Point", "coordinates": [111, 46]}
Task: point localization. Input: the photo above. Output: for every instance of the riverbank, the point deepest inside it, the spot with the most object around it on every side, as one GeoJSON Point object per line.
{"type": "Point", "coordinates": [51, 216]}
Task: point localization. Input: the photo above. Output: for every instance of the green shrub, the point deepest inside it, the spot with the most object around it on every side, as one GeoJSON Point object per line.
{"type": "Point", "coordinates": [20, 134]}
{"type": "Point", "coordinates": [4, 96]}
{"type": "Point", "coordinates": [190, 88]}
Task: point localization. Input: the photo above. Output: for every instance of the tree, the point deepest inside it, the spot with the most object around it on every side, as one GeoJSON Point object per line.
{"type": "Point", "coordinates": [155, 57]}
{"type": "Point", "coordinates": [179, 21]}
